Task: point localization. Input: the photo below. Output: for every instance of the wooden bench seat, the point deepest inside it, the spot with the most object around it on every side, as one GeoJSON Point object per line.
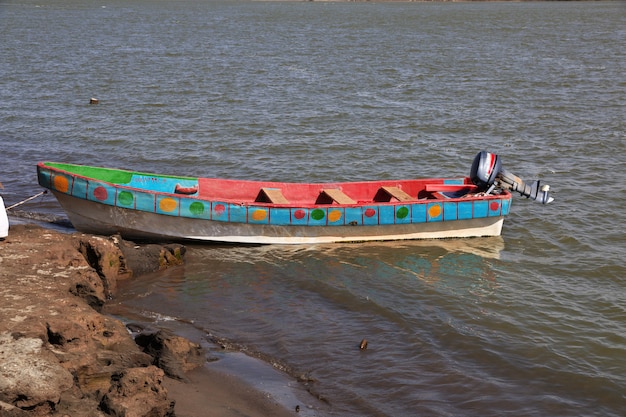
{"type": "Point", "coordinates": [397, 193]}
{"type": "Point", "coordinates": [330, 195]}
{"type": "Point", "coordinates": [271, 195]}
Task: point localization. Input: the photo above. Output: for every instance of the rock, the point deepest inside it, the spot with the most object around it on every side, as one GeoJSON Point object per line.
{"type": "Point", "coordinates": [30, 374]}
{"type": "Point", "coordinates": [106, 258]}
{"type": "Point", "coordinates": [137, 392]}
{"type": "Point", "coordinates": [174, 354]}
{"type": "Point", "coordinates": [7, 410]}
{"type": "Point", "coordinates": [93, 347]}
{"type": "Point", "coordinates": [171, 255]}
{"type": "Point", "coordinates": [58, 355]}
{"type": "Point", "coordinates": [142, 259]}
{"type": "Point", "coordinates": [90, 288]}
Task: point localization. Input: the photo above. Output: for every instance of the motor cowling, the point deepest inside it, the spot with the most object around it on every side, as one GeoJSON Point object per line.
{"type": "Point", "coordinates": [485, 169]}
{"type": "Point", "coordinates": [487, 174]}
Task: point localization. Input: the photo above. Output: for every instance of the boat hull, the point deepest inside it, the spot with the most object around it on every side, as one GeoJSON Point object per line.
{"type": "Point", "coordinates": [93, 217]}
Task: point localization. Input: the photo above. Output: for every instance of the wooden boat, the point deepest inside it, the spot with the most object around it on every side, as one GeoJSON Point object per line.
{"type": "Point", "coordinates": [144, 206]}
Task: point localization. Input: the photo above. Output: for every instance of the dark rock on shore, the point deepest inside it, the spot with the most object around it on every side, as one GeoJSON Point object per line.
{"type": "Point", "coordinates": [174, 354]}
{"type": "Point", "coordinates": [58, 355]}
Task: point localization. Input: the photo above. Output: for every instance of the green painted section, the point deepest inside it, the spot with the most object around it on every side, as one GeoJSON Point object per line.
{"type": "Point", "coordinates": [196, 208]}
{"type": "Point", "coordinates": [125, 198]}
{"type": "Point", "coordinates": [115, 176]}
{"type": "Point", "coordinates": [317, 214]}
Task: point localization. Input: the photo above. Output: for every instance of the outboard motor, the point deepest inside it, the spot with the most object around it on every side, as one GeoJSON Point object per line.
{"type": "Point", "coordinates": [487, 174]}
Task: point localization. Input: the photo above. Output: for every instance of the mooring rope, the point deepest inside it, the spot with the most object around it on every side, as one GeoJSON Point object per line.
{"type": "Point", "coordinates": [27, 200]}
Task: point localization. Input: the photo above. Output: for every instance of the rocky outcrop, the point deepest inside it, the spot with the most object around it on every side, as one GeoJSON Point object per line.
{"type": "Point", "coordinates": [127, 396]}
{"type": "Point", "coordinates": [174, 354]}
{"type": "Point", "coordinates": [31, 374]}
{"type": "Point", "coordinates": [58, 355]}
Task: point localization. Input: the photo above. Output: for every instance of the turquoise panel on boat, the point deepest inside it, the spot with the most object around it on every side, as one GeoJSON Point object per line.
{"type": "Point", "coordinates": [280, 216]}
{"type": "Point", "coordinates": [300, 217]}
{"type": "Point", "coordinates": [481, 209]}
{"type": "Point", "coordinates": [219, 212]}
{"type": "Point", "coordinates": [454, 181]}
{"type": "Point", "coordinates": [318, 217]}
{"type": "Point", "coordinates": [495, 208]}
{"type": "Point", "coordinates": [102, 193]}
{"type": "Point", "coordinates": [124, 198]}
{"type": "Point", "coordinates": [450, 211]}
{"type": "Point", "coordinates": [159, 183]}
{"type": "Point", "coordinates": [236, 213]}
{"type": "Point", "coordinates": [371, 215]}
{"type": "Point", "coordinates": [336, 216]}
{"type": "Point", "coordinates": [195, 209]}
{"type": "Point", "coordinates": [258, 215]}
{"type": "Point", "coordinates": [79, 188]}
{"type": "Point", "coordinates": [506, 207]}
{"type": "Point", "coordinates": [435, 212]}
{"type": "Point", "coordinates": [465, 210]}
{"type": "Point", "coordinates": [403, 214]}
{"type": "Point", "coordinates": [43, 177]}
{"type": "Point", "coordinates": [387, 214]}
{"type": "Point", "coordinates": [418, 213]}
{"type": "Point", "coordinates": [167, 205]}
{"type": "Point", "coordinates": [353, 216]}
{"type": "Point", "coordinates": [153, 183]}
{"type": "Point", "coordinates": [145, 202]}
{"type": "Point", "coordinates": [62, 183]}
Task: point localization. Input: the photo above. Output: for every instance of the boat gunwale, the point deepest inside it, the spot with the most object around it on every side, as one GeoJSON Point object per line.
{"type": "Point", "coordinates": [54, 167]}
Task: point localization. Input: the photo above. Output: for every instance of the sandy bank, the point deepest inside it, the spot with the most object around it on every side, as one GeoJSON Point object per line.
{"type": "Point", "coordinates": [59, 356]}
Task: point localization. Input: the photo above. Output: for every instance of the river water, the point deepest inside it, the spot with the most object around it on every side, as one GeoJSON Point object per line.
{"type": "Point", "coordinates": [532, 323]}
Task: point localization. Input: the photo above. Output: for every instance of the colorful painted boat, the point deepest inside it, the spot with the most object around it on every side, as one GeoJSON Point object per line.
{"type": "Point", "coordinates": [143, 206]}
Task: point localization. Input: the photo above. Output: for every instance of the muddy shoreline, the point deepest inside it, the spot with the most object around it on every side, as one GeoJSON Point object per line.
{"type": "Point", "coordinates": [60, 355]}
